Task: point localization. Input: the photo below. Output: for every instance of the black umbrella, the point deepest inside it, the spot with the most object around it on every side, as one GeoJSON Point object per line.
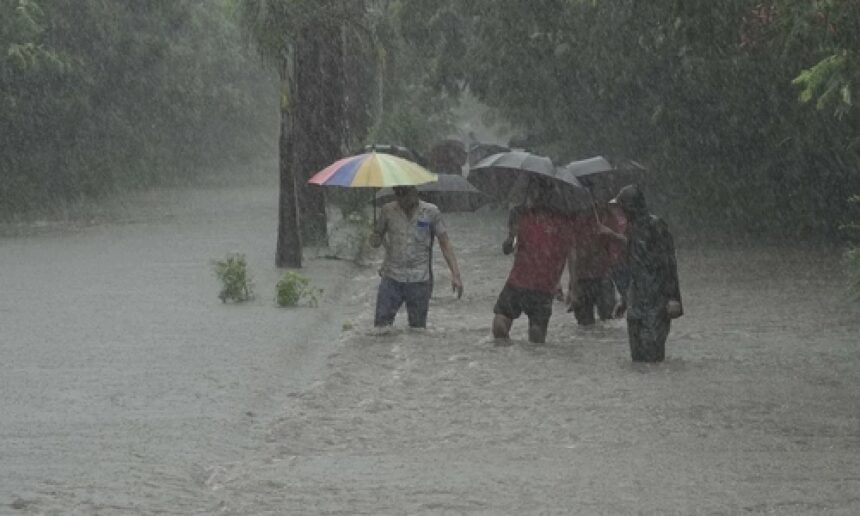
{"type": "Point", "coordinates": [450, 193]}
{"type": "Point", "coordinates": [506, 177]}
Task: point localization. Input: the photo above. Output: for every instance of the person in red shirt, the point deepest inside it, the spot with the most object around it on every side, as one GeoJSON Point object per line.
{"type": "Point", "coordinates": [591, 264]}
{"type": "Point", "coordinates": [543, 241]}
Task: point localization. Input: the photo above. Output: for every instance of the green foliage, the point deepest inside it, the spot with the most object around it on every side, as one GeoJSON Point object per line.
{"type": "Point", "coordinates": [293, 287]}
{"type": "Point", "coordinates": [701, 92]}
{"type": "Point", "coordinates": [236, 284]}
{"type": "Point", "coordinates": [102, 95]}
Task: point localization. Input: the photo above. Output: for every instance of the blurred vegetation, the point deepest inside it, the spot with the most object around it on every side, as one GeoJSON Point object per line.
{"type": "Point", "coordinates": [742, 109]}
{"type": "Point", "coordinates": [98, 96]}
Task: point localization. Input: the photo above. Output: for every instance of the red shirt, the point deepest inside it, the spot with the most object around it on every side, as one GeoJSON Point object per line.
{"type": "Point", "coordinates": [596, 254]}
{"type": "Point", "coordinates": [543, 243]}
{"type": "Point", "coordinates": [617, 249]}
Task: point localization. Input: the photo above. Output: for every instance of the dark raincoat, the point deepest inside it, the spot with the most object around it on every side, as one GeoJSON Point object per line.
{"type": "Point", "coordinates": [653, 276]}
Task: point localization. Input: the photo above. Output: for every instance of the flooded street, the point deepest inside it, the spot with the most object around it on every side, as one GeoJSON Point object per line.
{"type": "Point", "coordinates": [128, 388]}
{"type": "Point", "coordinates": [126, 382]}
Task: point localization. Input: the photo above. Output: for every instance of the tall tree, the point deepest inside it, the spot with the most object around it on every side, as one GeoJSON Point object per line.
{"type": "Point", "coordinates": [305, 40]}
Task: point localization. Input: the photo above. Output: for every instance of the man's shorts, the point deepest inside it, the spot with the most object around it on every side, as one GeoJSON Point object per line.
{"type": "Point", "coordinates": [514, 301]}
{"type": "Point", "coordinates": [391, 296]}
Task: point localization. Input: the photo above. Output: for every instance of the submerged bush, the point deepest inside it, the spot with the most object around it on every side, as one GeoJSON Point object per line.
{"type": "Point", "coordinates": [293, 288]}
{"type": "Point", "coordinates": [236, 284]}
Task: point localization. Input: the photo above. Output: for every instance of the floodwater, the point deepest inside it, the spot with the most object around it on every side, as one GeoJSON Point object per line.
{"type": "Point", "coordinates": [129, 389]}
{"type": "Point", "coordinates": [126, 382]}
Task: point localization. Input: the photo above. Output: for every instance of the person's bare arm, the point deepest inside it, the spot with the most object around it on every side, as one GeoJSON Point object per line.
{"type": "Point", "coordinates": [451, 260]}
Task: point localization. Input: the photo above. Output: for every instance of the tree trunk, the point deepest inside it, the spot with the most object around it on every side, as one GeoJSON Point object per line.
{"type": "Point", "coordinates": [320, 118]}
{"type": "Point", "coordinates": [289, 249]}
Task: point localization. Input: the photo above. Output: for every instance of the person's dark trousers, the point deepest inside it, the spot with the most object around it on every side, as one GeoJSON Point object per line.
{"type": "Point", "coordinates": [594, 292]}
{"type": "Point", "coordinates": [392, 294]}
{"type": "Point", "coordinates": [648, 338]}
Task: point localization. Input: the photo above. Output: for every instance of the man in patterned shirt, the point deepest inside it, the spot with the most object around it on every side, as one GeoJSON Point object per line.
{"type": "Point", "coordinates": [407, 228]}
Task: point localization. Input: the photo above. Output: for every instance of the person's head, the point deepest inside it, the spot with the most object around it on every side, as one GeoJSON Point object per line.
{"type": "Point", "coordinates": [406, 196]}
{"type": "Point", "coordinates": [631, 200]}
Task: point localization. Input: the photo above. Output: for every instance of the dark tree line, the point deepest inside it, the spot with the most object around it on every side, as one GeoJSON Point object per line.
{"type": "Point", "coordinates": [743, 110]}
{"type": "Point", "coordinates": [100, 96]}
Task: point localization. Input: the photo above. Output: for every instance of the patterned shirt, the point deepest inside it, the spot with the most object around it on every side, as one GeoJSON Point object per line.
{"type": "Point", "coordinates": [408, 241]}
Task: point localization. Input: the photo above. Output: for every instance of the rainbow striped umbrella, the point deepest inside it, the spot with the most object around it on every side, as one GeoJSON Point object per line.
{"type": "Point", "coordinates": [373, 170]}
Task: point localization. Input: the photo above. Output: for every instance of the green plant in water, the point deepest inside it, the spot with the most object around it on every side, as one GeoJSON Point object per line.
{"type": "Point", "coordinates": [236, 284]}
{"type": "Point", "coordinates": [293, 287]}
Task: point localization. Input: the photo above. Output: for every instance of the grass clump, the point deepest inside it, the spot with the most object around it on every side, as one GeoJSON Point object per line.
{"type": "Point", "coordinates": [293, 288]}
{"type": "Point", "coordinates": [236, 284]}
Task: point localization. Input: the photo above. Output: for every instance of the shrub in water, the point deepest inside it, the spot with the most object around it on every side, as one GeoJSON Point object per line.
{"type": "Point", "coordinates": [236, 283]}
{"type": "Point", "coordinates": [293, 287]}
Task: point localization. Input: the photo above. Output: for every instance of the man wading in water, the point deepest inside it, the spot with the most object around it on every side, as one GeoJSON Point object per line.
{"type": "Point", "coordinates": [407, 227]}
{"type": "Point", "coordinates": [544, 239]}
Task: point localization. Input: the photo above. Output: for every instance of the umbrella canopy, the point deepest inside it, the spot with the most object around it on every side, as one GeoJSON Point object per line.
{"type": "Point", "coordinates": [602, 178]}
{"type": "Point", "coordinates": [373, 170]}
{"type": "Point", "coordinates": [506, 176]}
{"type": "Point", "coordinates": [450, 193]}
{"type": "Point", "coordinates": [588, 166]}
{"type": "Point", "coordinates": [479, 151]}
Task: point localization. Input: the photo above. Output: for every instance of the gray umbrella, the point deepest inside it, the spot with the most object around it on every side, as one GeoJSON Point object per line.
{"type": "Point", "coordinates": [587, 167]}
{"type": "Point", "coordinates": [450, 193]}
{"type": "Point", "coordinates": [506, 176]}
{"type": "Point", "coordinates": [601, 177]}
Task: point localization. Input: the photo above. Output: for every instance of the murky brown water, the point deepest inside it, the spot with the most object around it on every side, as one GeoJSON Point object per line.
{"type": "Point", "coordinates": [128, 388]}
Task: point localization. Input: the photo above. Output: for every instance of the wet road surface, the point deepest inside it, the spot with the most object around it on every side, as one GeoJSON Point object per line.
{"type": "Point", "coordinates": [129, 389]}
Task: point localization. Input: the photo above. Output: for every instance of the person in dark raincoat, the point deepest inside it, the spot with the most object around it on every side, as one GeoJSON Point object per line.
{"type": "Point", "coordinates": [653, 296]}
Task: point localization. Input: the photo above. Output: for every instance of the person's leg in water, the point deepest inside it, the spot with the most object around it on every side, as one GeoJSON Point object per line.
{"type": "Point", "coordinates": [648, 338]}
{"type": "Point", "coordinates": [605, 300]}
{"type": "Point", "coordinates": [417, 297]}
{"type": "Point", "coordinates": [389, 297]}
{"type": "Point", "coordinates": [507, 309]}
{"type": "Point", "coordinates": [537, 330]}
{"type": "Point", "coordinates": [583, 306]}
{"type": "Point", "coordinates": [538, 307]}
{"type": "Point", "coordinates": [502, 327]}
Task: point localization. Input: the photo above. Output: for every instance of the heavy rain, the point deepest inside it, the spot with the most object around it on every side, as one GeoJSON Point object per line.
{"type": "Point", "coordinates": [429, 257]}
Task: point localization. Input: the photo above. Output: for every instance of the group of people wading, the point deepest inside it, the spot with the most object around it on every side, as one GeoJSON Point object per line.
{"type": "Point", "coordinates": [617, 247]}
